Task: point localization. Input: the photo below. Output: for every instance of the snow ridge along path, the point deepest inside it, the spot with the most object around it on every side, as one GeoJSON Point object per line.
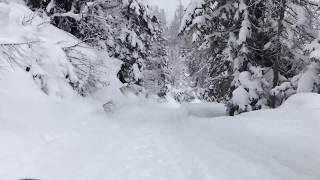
{"type": "Point", "coordinates": [49, 138]}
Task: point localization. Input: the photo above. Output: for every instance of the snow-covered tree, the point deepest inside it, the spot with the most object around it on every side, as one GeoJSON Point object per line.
{"type": "Point", "coordinates": [155, 70]}
{"type": "Point", "coordinates": [260, 43]}
{"type": "Point", "coordinates": [180, 87]}
{"type": "Point", "coordinates": [207, 59]}
{"type": "Point", "coordinates": [126, 29]}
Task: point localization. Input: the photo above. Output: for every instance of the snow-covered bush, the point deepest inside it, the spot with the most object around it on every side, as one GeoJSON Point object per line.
{"type": "Point", "coordinates": [248, 94]}
{"type": "Point", "coordinates": [285, 90]}
{"type": "Point", "coordinates": [306, 81]}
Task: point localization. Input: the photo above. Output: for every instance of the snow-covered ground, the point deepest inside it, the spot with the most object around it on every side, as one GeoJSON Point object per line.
{"type": "Point", "coordinates": [73, 138]}
{"type": "Point", "coordinates": [57, 135]}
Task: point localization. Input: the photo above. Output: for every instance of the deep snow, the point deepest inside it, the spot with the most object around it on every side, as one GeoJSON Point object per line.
{"type": "Point", "coordinates": [72, 138]}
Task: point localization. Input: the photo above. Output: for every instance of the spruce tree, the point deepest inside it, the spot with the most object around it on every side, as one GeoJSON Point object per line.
{"type": "Point", "coordinates": [258, 44]}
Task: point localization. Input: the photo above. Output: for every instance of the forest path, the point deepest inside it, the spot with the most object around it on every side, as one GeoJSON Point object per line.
{"type": "Point", "coordinates": [146, 140]}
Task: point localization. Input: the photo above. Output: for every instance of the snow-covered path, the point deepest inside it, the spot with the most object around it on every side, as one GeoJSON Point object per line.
{"type": "Point", "coordinates": [67, 138]}
{"type": "Point", "coordinates": [145, 140]}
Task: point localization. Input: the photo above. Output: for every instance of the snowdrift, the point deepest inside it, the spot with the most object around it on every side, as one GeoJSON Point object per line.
{"type": "Point", "coordinates": [58, 62]}
{"type": "Point", "coordinates": [205, 110]}
{"type": "Point", "coordinates": [303, 101]}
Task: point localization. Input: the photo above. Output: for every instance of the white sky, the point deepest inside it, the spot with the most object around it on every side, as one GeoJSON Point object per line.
{"type": "Point", "coordinates": [169, 6]}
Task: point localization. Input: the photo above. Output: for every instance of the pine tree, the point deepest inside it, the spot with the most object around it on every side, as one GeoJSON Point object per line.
{"type": "Point", "coordinates": [180, 87]}
{"type": "Point", "coordinates": [207, 58]}
{"type": "Point", "coordinates": [256, 44]}
{"type": "Point", "coordinates": [155, 71]}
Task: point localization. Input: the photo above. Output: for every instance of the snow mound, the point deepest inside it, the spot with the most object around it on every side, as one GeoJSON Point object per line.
{"type": "Point", "coordinates": [303, 101]}
{"type": "Point", "coordinates": [205, 110]}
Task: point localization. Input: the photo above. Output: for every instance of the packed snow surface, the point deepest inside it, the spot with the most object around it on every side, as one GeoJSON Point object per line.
{"type": "Point", "coordinates": [52, 138]}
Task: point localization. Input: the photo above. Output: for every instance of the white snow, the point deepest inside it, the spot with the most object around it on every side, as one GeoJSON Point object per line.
{"type": "Point", "coordinates": [245, 30]}
{"type": "Point", "coordinates": [241, 98]}
{"type": "Point", "coordinates": [43, 51]}
{"type": "Point", "coordinates": [204, 109]}
{"type": "Point", "coordinates": [136, 71]}
{"type": "Point", "coordinates": [314, 48]}
{"type": "Point", "coordinates": [309, 79]}
{"type": "Point", "coordinates": [301, 14]}
{"type": "Point", "coordinates": [249, 88]}
{"type": "Point", "coordinates": [50, 6]}
{"type": "Point", "coordinates": [189, 12]}
{"type": "Point", "coordinates": [303, 101]}
{"type": "Point", "coordinates": [73, 138]}
{"type": "Point", "coordinates": [39, 51]}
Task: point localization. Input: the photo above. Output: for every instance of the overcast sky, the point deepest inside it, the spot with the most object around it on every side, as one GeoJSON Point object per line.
{"type": "Point", "coordinates": [169, 6]}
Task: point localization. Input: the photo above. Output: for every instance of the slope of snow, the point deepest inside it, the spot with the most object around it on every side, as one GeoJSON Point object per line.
{"type": "Point", "coordinates": [40, 48]}
{"type": "Point", "coordinates": [41, 54]}
{"type": "Point", "coordinates": [72, 138]}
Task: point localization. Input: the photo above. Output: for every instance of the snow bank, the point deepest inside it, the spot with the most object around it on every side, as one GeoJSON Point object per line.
{"type": "Point", "coordinates": [31, 47]}
{"type": "Point", "coordinates": [50, 55]}
{"type": "Point", "coordinates": [303, 101]}
{"type": "Point", "coordinates": [205, 109]}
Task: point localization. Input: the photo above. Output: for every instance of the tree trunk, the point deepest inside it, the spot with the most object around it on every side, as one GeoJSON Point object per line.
{"type": "Point", "coordinates": [279, 45]}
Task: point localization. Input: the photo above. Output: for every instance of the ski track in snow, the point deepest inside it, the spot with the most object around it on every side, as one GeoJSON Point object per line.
{"type": "Point", "coordinates": [150, 141]}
